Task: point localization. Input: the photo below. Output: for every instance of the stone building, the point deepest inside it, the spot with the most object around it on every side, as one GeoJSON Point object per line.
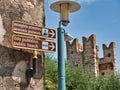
{"type": "Point", "coordinates": [86, 55]}
{"type": "Point", "coordinates": [14, 62]}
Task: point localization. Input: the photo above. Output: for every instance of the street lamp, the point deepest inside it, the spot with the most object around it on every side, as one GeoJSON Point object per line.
{"type": "Point", "coordinates": [64, 7]}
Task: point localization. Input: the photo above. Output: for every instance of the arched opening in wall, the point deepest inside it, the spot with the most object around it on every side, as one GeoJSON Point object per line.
{"type": "Point", "coordinates": [71, 52]}
{"type": "Point", "coordinates": [103, 73]}
{"type": "Point", "coordinates": [77, 65]}
{"type": "Point", "coordinates": [109, 55]}
{"type": "Point", "coordinates": [111, 68]}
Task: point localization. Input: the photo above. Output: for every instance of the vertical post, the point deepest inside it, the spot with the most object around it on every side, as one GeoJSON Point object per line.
{"type": "Point", "coordinates": [34, 61]}
{"type": "Point", "coordinates": [61, 61]}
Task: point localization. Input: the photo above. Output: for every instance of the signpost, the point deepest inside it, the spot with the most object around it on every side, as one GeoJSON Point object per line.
{"type": "Point", "coordinates": [33, 30]}
{"type": "Point", "coordinates": [33, 44]}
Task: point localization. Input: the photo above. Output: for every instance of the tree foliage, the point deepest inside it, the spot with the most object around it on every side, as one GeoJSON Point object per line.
{"type": "Point", "coordinates": [50, 72]}
{"type": "Point", "coordinates": [77, 78]}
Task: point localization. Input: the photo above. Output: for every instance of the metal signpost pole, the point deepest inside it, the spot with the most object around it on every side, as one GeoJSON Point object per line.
{"type": "Point", "coordinates": [34, 61]}
{"type": "Point", "coordinates": [61, 61]}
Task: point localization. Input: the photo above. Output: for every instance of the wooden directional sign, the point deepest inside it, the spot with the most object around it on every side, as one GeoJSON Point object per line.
{"type": "Point", "coordinates": [33, 30]}
{"type": "Point", "coordinates": [33, 44]}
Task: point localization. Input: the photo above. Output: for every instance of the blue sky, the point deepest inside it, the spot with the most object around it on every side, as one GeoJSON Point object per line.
{"type": "Point", "coordinates": [99, 17]}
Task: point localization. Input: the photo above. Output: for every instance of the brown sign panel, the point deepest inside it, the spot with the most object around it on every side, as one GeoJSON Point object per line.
{"type": "Point", "coordinates": [33, 30]}
{"type": "Point", "coordinates": [33, 44]}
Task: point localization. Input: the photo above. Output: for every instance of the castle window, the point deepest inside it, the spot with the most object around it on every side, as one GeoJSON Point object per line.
{"type": "Point", "coordinates": [103, 73]}
{"type": "Point", "coordinates": [77, 65]}
{"type": "Point", "coordinates": [86, 64]}
{"type": "Point", "coordinates": [71, 52]}
{"type": "Point", "coordinates": [109, 54]}
{"type": "Point", "coordinates": [111, 68]}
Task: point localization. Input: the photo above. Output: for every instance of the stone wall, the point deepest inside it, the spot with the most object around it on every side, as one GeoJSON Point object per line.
{"type": "Point", "coordinates": [30, 11]}
{"type": "Point", "coordinates": [87, 56]}
{"type": "Point", "coordinates": [14, 63]}
{"type": "Point", "coordinates": [74, 52]}
{"type": "Point", "coordinates": [13, 66]}
{"type": "Point", "coordinates": [89, 49]}
{"type": "Point", "coordinates": [108, 62]}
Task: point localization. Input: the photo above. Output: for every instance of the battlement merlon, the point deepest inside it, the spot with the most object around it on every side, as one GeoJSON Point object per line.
{"type": "Point", "coordinates": [89, 42]}
{"type": "Point", "coordinates": [75, 43]}
{"type": "Point", "coordinates": [109, 58]}
{"type": "Point", "coordinates": [111, 45]}
{"type": "Point", "coordinates": [109, 51]}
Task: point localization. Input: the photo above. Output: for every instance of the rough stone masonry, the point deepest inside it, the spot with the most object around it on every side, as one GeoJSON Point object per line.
{"type": "Point", "coordinates": [86, 56]}
{"type": "Point", "coordinates": [14, 62]}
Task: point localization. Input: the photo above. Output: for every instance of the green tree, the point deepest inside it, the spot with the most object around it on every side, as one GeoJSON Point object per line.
{"type": "Point", "coordinates": [77, 78]}
{"type": "Point", "coordinates": [50, 72]}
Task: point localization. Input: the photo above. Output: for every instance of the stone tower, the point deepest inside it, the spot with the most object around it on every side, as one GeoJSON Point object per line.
{"type": "Point", "coordinates": [14, 62]}
{"type": "Point", "coordinates": [74, 53]}
{"type": "Point", "coordinates": [90, 54]}
{"type": "Point", "coordinates": [107, 64]}
{"type": "Point", "coordinates": [86, 55]}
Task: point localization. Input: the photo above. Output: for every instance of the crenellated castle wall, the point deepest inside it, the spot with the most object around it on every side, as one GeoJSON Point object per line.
{"type": "Point", "coordinates": [74, 53]}
{"type": "Point", "coordinates": [86, 55]}
{"type": "Point", "coordinates": [107, 64]}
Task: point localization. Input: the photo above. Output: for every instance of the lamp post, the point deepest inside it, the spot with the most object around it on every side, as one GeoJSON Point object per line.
{"type": "Point", "coordinates": [64, 7]}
